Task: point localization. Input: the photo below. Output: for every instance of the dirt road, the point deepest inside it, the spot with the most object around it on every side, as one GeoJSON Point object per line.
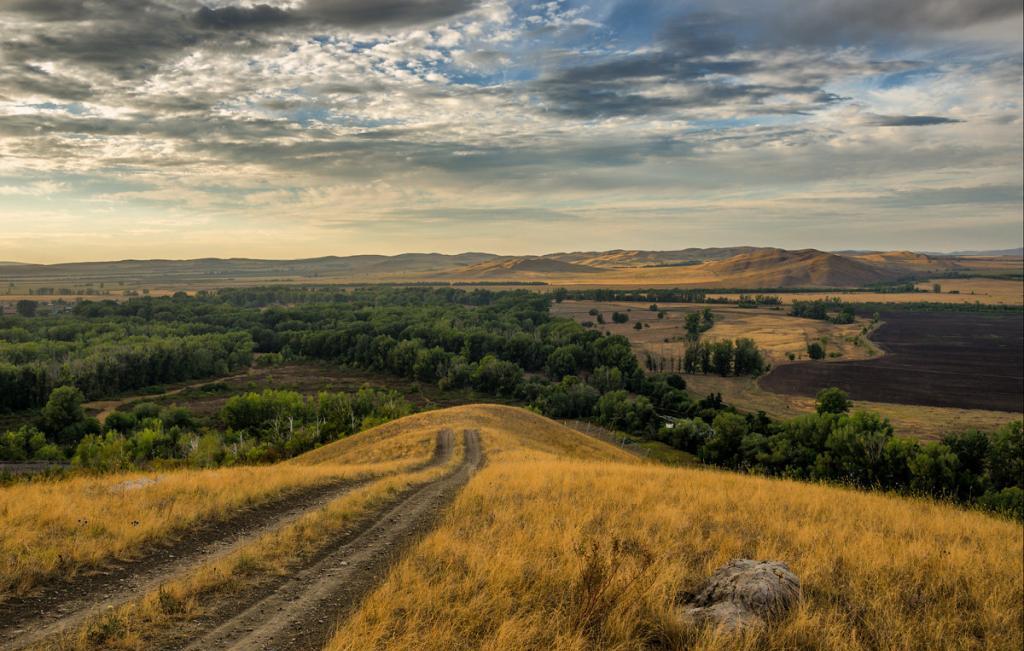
{"type": "Point", "coordinates": [63, 605]}
{"type": "Point", "coordinates": [106, 407]}
{"type": "Point", "coordinates": [304, 607]}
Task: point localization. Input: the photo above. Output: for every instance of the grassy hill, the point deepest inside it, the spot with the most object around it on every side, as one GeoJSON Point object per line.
{"type": "Point", "coordinates": [506, 568]}
{"type": "Point", "coordinates": [560, 541]}
{"type": "Point", "coordinates": [744, 266]}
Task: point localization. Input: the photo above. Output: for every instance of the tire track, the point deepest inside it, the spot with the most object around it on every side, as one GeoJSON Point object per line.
{"type": "Point", "coordinates": [303, 609]}
{"type": "Point", "coordinates": [67, 604]}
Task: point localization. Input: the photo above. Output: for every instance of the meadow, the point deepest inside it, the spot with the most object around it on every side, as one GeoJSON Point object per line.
{"type": "Point", "coordinates": [513, 564]}
{"type": "Point", "coordinates": [55, 530]}
{"type": "Point", "coordinates": [564, 541]}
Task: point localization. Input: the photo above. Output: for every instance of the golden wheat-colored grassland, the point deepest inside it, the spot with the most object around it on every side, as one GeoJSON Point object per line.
{"type": "Point", "coordinates": [59, 527]}
{"type": "Point", "coordinates": [990, 291]}
{"type": "Point", "coordinates": [176, 603]}
{"type": "Point", "coordinates": [527, 558]}
{"type": "Point", "coordinates": [774, 331]}
{"type": "Point", "coordinates": [190, 596]}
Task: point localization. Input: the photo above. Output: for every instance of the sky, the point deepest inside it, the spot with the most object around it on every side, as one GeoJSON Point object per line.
{"type": "Point", "coordinates": [301, 128]}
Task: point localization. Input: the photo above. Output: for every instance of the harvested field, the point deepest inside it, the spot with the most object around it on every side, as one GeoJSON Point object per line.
{"type": "Point", "coordinates": [989, 291]}
{"type": "Point", "coordinates": [964, 360]}
{"type": "Point", "coordinates": [775, 332]}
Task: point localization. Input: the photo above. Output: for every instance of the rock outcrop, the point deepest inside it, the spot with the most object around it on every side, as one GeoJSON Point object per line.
{"type": "Point", "coordinates": [742, 594]}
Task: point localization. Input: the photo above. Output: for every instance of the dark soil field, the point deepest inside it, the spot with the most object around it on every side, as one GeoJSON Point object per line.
{"type": "Point", "coordinates": [942, 359]}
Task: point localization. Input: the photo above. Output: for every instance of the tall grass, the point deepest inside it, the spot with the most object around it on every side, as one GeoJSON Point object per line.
{"type": "Point", "coordinates": [549, 552]}
{"type": "Point", "coordinates": [212, 585]}
{"type": "Point", "coordinates": [58, 528]}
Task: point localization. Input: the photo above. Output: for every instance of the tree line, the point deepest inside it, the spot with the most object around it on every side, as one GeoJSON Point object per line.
{"type": "Point", "coordinates": [250, 428]}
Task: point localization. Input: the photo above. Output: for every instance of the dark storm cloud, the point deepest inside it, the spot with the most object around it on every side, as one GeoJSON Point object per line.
{"type": "Point", "coordinates": [909, 120]}
{"type": "Point", "coordinates": [823, 22]}
{"type": "Point", "coordinates": [384, 13]}
{"type": "Point", "coordinates": [33, 80]}
{"type": "Point", "coordinates": [257, 16]}
{"type": "Point", "coordinates": [48, 9]}
{"type": "Point", "coordinates": [130, 38]}
{"type": "Point", "coordinates": [356, 14]}
{"type": "Point", "coordinates": [690, 55]}
{"type": "Point", "coordinates": [842, 20]}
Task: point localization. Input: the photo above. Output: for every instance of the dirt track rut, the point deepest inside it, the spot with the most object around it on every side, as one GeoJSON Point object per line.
{"type": "Point", "coordinates": [302, 610]}
{"type": "Point", "coordinates": [66, 604]}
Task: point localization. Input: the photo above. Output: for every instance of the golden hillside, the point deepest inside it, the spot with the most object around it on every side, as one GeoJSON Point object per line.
{"type": "Point", "coordinates": [505, 569]}
{"type": "Point", "coordinates": [553, 540]}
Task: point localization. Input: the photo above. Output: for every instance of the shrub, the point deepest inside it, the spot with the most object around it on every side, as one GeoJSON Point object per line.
{"type": "Point", "coordinates": [815, 350]}
{"type": "Point", "coordinates": [832, 401]}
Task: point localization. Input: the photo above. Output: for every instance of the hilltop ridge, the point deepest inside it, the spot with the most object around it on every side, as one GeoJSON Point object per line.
{"type": "Point", "coordinates": [741, 266]}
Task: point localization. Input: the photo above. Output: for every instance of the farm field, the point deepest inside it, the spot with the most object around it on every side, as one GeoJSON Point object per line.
{"type": "Point", "coordinates": [989, 291]}
{"type": "Point", "coordinates": [776, 333]}
{"type": "Point", "coordinates": [959, 360]}
{"type": "Point", "coordinates": [915, 421]}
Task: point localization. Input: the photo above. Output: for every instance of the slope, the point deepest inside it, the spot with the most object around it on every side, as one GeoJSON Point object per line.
{"type": "Point", "coordinates": [548, 552]}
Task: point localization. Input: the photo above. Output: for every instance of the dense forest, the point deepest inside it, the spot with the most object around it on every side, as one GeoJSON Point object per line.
{"type": "Point", "coordinates": [499, 343]}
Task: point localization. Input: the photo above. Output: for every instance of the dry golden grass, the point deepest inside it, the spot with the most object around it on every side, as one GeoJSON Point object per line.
{"type": "Point", "coordinates": [971, 290]}
{"type": "Point", "coordinates": [505, 569]}
{"type": "Point", "coordinates": [134, 625]}
{"type": "Point", "coordinates": [775, 332]}
{"type": "Point", "coordinates": [912, 421]}
{"type": "Point", "coordinates": [57, 528]}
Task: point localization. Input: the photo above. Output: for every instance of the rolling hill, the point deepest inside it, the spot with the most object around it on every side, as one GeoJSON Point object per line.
{"type": "Point", "coordinates": [734, 267]}
{"type": "Point", "coordinates": [516, 533]}
{"type": "Point", "coordinates": [804, 268]}
{"type": "Point", "coordinates": [532, 266]}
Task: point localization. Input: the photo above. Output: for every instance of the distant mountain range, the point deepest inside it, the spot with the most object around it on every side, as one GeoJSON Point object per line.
{"type": "Point", "coordinates": [733, 267]}
{"type": "Point", "coordinates": [1016, 253]}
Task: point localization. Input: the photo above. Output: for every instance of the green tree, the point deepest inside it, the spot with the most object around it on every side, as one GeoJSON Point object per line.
{"type": "Point", "coordinates": [748, 359]}
{"type": "Point", "coordinates": [26, 308]}
{"type": "Point", "coordinates": [1006, 456]}
{"type": "Point", "coordinates": [692, 326]}
{"type": "Point", "coordinates": [63, 417]}
{"type": "Point", "coordinates": [723, 446]}
{"type": "Point", "coordinates": [721, 357]}
{"type": "Point", "coordinates": [832, 400]}
{"type": "Point", "coordinates": [933, 470]}
{"type": "Point", "coordinates": [815, 350]}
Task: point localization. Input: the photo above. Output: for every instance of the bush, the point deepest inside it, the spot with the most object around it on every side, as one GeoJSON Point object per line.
{"type": "Point", "coordinates": [832, 401]}
{"type": "Point", "coordinates": [815, 350]}
{"type": "Point", "coordinates": [27, 443]}
{"type": "Point", "coordinates": [108, 452]}
{"type": "Point", "coordinates": [120, 421]}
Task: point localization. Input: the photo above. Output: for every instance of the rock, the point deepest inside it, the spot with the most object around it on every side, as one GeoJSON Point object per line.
{"type": "Point", "coordinates": [744, 594]}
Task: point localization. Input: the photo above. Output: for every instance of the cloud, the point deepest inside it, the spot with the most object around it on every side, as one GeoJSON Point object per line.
{"type": "Point", "coordinates": [354, 14]}
{"type": "Point", "coordinates": [908, 120]}
{"type": "Point", "coordinates": [256, 16]}
{"type": "Point", "coordinates": [440, 118]}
